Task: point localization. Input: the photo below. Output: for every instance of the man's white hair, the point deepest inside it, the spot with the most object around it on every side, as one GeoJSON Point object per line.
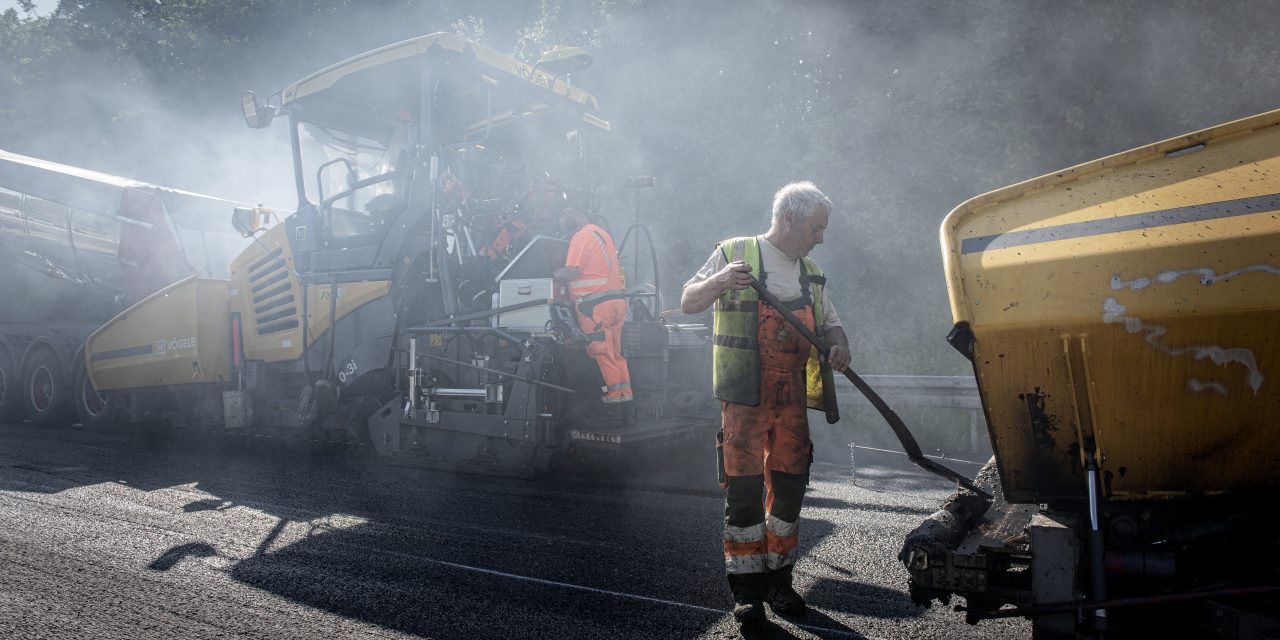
{"type": "Point", "coordinates": [800, 199]}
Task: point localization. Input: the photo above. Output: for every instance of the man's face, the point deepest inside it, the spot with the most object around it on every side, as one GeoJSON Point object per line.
{"type": "Point", "coordinates": [807, 233]}
{"type": "Point", "coordinates": [570, 220]}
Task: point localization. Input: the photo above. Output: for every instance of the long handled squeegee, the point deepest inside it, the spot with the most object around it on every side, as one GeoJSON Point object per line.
{"type": "Point", "coordinates": [909, 444]}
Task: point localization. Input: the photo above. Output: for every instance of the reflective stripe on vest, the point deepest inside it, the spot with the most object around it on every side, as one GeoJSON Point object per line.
{"type": "Point", "coordinates": [579, 287]}
{"type": "Point", "coordinates": [735, 321]}
{"type": "Point", "coordinates": [613, 281]}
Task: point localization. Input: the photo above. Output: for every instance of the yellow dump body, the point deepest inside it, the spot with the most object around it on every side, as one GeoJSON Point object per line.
{"type": "Point", "coordinates": [177, 336]}
{"type": "Point", "coordinates": [1132, 302]}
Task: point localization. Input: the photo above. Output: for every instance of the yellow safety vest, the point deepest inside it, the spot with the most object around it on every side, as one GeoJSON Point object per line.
{"type": "Point", "coordinates": [735, 352]}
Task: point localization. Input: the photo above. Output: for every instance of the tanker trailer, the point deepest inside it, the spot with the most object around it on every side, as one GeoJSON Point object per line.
{"type": "Point", "coordinates": [406, 302]}
{"type": "Point", "coordinates": [1123, 322]}
{"type": "Point", "coordinates": [81, 246]}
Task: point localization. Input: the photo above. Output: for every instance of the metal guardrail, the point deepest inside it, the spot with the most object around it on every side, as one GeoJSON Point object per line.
{"type": "Point", "coordinates": [943, 392]}
{"type": "Point", "coordinates": [956, 392]}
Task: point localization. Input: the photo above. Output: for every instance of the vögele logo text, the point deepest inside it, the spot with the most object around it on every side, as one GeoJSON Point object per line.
{"type": "Point", "coordinates": [174, 344]}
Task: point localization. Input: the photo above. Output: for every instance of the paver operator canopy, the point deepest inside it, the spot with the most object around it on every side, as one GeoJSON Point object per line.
{"type": "Point", "coordinates": [384, 103]}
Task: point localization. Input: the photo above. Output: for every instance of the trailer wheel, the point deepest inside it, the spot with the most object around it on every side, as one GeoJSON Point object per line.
{"type": "Point", "coordinates": [95, 409]}
{"type": "Point", "coordinates": [10, 405]}
{"type": "Point", "coordinates": [45, 390]}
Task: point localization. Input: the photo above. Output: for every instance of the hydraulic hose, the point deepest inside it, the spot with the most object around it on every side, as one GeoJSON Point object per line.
{"type": "Point", "coordinates": [908, 441]}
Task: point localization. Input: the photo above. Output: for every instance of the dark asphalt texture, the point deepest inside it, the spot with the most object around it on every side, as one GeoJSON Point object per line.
{"type": "Point", "coordinates": [127, 534]}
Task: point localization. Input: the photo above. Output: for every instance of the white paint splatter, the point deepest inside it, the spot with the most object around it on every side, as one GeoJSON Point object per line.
{"type": "Point", "coordinates": [1206, 276]}
{"type": "Point", "coordinates": [1201, 385]}
{"type": "Point", "coordinates": [1113, 313]}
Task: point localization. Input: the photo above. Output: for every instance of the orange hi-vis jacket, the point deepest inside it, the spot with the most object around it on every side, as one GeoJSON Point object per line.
{"type": "Point", "coordinates": [592, 251]}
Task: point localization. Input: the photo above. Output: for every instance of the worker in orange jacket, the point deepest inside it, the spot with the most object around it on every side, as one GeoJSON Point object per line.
{"type": "Point", "coordinates": [591, 270]}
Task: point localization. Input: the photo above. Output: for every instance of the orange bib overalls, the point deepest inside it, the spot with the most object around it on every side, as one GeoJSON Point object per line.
{"type": "Point", "coordinates": [766, 456]}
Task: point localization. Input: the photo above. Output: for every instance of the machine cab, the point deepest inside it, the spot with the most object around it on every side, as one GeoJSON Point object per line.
{"type": "Point", "coordinates": [429, 145]}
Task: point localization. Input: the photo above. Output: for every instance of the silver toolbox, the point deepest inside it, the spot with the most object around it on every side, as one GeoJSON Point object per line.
{"type": "Point", "coordinates": [517, 290]}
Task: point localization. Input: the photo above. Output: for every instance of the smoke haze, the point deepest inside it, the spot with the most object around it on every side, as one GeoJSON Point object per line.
{"type": "Point", "coordinates": [899, 111]}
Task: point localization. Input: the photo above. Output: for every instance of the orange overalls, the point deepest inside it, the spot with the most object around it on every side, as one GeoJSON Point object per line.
{"type": "Point", "coordinates": [591, 250]}
{"type": "Point", "coordinates": [766, 455]}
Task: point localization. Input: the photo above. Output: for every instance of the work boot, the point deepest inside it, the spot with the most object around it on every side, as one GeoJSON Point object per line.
{"type": "Point", "coordinates": [782, 596]}
{"type": "Point", "coordinates": [751, 620]}
{"type": "Point", "coordinates": [748, 603]}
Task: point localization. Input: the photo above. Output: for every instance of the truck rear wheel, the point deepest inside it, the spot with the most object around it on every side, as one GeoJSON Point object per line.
{"type": "Point", "coordinates": [10, 405]}
{"type": "Point", "coordinates": [94, 408]}
{"type": "Point", "coordinates": [45, 390]}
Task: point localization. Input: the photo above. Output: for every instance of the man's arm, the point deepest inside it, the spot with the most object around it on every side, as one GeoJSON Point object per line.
{"type": "Point", "coordinates": [838, 355]}
{"type": "Point", "coordinates": [697, 296]}
{"type": "Point", "coordinates": [566, 274]}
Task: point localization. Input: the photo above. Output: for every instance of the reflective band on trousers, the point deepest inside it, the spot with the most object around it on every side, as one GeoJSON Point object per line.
{"type": "Point", "coordinates": [781, 527]}
{"type": "Point", "coordinates": [746, 564]}
{"type": "Point", "coordinates": [745, 550]}
{"type": "Point", "coordinates": [753, 533]}
{"type": "Point", "coordinates": [778, 561]}
{"type": "Point", "coordinates": [783, 541]}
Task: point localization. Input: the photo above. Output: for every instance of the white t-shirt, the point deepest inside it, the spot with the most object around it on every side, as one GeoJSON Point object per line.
{"type": "Point", "coordinates": [782, 278]}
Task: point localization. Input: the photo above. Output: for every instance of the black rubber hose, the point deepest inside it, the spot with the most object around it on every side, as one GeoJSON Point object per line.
{"type": "Point", "coordinates": [908, 441]}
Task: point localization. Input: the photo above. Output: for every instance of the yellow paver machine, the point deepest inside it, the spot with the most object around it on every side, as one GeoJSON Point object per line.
{"type": "Point", "coordinates": [407, 301]}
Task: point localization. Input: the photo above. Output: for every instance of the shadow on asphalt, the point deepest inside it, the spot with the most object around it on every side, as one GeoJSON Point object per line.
{"type": "Point", "coordinates": [823, 626]}
{"type": "Point", "coordinates": [211, 504]}
{"type": "Point", "coordinates": [387, 578]}
{"type": "Point", "coordinates": [173, 556]}
{"type": "Point", "coordinates": [860, 599]}
{"type": "Point", "coordinates": [432, 552]}
{"type": "Point", "coordinates": [817, 502]}
{"type": "Point", "coordinates": [837, 503]}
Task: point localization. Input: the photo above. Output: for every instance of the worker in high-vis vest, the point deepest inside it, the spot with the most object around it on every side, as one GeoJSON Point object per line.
{"type": "Point", "coordinates": [591, 271]}
{"type": "Point", "coordinates": [766, 375]}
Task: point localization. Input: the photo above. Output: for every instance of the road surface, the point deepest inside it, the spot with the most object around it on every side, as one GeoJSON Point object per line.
{"type": "Point", "coordinates": [127, 534]}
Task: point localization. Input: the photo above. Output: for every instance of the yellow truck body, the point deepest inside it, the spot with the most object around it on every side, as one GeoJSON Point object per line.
{"type": "Point", "coordinates": [1130, 304]}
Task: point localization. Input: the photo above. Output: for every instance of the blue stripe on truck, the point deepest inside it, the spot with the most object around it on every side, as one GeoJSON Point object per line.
{"type": "Point", "coordinates": [1151, 219]}
{"type": "Point", "coordinates": [122, 353]}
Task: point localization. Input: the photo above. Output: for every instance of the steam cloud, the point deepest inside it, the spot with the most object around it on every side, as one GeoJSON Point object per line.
{"type": "Point", "coordinates": [899, 111]}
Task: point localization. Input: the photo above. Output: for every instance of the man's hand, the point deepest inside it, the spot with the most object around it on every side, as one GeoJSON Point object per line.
{"type": "Point", "coordinates": [838, 348]}
{"type": "Point", "coordinates": [735, 275]}
{"type": "Point", "coordinates": [838, 357]}
{"type": "Point", "coordinates": [698, 296]}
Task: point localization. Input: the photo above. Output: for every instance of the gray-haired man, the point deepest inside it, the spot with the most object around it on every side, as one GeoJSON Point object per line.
{"type": "Point", "coordinates": [766, 375]}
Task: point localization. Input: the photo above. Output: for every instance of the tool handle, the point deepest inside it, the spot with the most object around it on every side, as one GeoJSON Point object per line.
{"type": "Point", "coordinates": [829, 403]}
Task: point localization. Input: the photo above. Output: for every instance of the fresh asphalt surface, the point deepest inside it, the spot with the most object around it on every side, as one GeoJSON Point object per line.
{"type": "Point", "coordinates": [125, 534]}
